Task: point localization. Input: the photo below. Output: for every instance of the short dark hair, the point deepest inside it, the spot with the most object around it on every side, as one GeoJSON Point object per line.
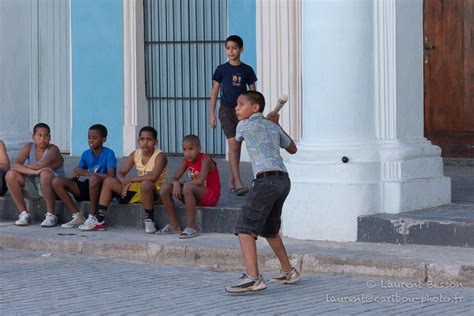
{"type": "Point", "coordinates": [148, 129]}
{"type": "Point", "coordinates": [191, 138]}
{"type": "Point", "coordinates": [100, 128]}
{"type": "Point", "coordinates": [256, 97]}
{"type": "Point", "coordinates": [41, 125]}
{"type": "Point", "coordinates": [236, 39]}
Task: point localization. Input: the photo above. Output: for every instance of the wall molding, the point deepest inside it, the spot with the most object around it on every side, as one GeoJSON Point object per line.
{"type": "Point", "coordinates": [135, 111]}
{"type": "Point", "coordinates": [385, 44]}
{"type": "Point", "coordinates": [279, 60]}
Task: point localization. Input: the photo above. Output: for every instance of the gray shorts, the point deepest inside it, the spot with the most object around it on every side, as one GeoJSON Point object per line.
{"type": "Point", "coordinates": [261, 214]}
{"type": "Point", "coordinates": [229, 121]}
{"type": "Point", "coordinates": [32, 188]}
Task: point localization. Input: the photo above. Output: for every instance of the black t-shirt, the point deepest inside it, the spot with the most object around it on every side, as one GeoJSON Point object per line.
{"type": "Point", "coordinates": [234, 81]}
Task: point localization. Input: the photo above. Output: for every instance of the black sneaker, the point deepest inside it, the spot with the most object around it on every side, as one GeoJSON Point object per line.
{"type": "Point", "coordinates": [287, 278]}
{"type": "Point", "coordinates": [247, 284]}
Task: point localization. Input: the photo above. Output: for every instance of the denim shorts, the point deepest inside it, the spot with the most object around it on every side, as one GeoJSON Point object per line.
{"type": "Point", "coordinates": [261, 214]}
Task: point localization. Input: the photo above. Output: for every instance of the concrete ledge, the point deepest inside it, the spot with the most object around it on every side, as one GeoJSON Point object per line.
{"type": "Point", "coordinates": [222, 251]}
{"type": "Point", "coordinates": [447, 225]}
{"type": "Point", "coordinates": [208, 219]}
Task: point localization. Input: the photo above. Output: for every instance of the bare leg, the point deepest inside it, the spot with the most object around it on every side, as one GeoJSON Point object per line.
{"type": "Point", "coordinates": [234, 161]}
{"type": "Point", "coordinates": [46, 177]}
{"type": "Point", "coordinates": [249, 250]}
{"type": "Point", "coordinates": [192, 194]}
{"type": "Point", "coordinates": [147, 188]}
{"type": "Point", "coordinates": [110, 186]}
{"type": "Point", "coordinates": [279, 249]}
{"type": "Point", "coordinates": [95, 184]}
{"type": "Point", "coordinates": [64, 185]}
{"type": "Point", "coordinates": [15, 182]}
{"type": "Point", "coordinates": [166, 192]}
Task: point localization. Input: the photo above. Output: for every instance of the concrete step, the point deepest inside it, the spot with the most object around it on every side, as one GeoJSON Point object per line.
{"type": "Point", "coordinates": [220, 219]}
{"type": "Point", "coordinates": [447, 225]}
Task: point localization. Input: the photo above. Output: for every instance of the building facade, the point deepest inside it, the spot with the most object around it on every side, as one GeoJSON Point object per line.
{"type": "Point", "coordinates": [353, 71]}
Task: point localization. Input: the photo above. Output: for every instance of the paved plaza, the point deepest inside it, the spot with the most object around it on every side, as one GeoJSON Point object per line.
{"type": "Point", "coordinates": [33, 282]}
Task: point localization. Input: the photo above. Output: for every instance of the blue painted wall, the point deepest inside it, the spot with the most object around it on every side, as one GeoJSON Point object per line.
{"type": "Point", "coordinates": [242, 22]}
{"type": "Point", "coordinates": [97, 71]}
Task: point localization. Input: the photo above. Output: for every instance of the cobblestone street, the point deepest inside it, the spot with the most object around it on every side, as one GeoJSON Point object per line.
{"type": "Point", "coordinates": [52, 283]}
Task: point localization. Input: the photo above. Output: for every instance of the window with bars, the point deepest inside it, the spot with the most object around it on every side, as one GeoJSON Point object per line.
{"type": "Point", "coordinates": [184, 43]}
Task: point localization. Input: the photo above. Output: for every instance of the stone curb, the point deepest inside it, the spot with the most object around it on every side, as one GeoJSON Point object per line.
{"type": "Point", "coordinates": [231, 259]}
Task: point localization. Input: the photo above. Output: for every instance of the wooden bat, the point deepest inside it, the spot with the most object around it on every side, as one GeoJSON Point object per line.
{"type": "Point", "coordinates": [280, 103]}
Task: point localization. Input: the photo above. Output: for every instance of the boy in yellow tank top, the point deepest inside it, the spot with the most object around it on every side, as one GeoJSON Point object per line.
{"type": "Point", "coordinates": [151, 164]}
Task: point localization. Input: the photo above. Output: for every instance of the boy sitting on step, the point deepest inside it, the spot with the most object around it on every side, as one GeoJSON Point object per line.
{"type": "Point", "coordinates": [96, 164]}
{"type": "Point", "coordinates": [33, 180]}
{"type": "Point", "coordinates": [151, 164]}
{"type": "Point", "coordinates": [203, 188]}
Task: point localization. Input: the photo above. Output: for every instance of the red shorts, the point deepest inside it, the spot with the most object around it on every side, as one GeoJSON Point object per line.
{"type": "Point", "coordinates": [210, 198]}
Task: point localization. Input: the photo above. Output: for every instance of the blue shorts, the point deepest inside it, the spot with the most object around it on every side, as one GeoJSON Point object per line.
{"type": "Point", "coordinates": [261, 214]}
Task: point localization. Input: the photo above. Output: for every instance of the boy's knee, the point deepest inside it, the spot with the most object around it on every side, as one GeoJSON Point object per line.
{"type": "Point", "coordinates": [146, 186]}
{"type": "Point", "coordinates": [57, 183]}
{"type": "Point", "coordinates": [10, 176]}
{"type": "Point", "coordinates": [46, 177]}
{"type": "Point", "coordinates": [188, 188]}
{"type": "Point", "coordinates": [95, 181]}
{"type": "Point", "coordinates": [166, 189]}
{"type": "Point", "coordinates": [108, 182]}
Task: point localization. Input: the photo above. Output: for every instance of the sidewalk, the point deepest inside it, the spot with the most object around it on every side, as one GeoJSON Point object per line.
{"type": "Point", "coordinates": [222, 252]}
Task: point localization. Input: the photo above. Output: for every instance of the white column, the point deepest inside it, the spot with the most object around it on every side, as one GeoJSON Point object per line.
{"type": "Point", "coordinates": [135, 103]}
{"type": "Point", "coordinates": [363, 99]}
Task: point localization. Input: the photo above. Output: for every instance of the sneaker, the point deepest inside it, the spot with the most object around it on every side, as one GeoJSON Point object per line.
{"type": "Point", "coordinates": [24, 219]}
{"type": "Point", "coordinates": [247, 284]}
{"type": "Point", "coordinates": [50, 220]}
{"type": "Point", "coordinates": [77, 219]}
{"type": "Point", "coordinates": [93, 224]}
{"type": "Point", "coordinates": [150, 227]}
{"type": "Point", "coordinates": [287, 278]}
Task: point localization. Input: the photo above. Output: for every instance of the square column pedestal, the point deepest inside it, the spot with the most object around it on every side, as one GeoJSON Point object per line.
{"type": "Point", "coordinates": [327, 195]}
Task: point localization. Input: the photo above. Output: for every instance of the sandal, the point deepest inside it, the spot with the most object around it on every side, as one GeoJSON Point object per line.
{"type": "Point", "coordinates": [188, 232]}
{"type": "Point", "coordinates": [241, 191]}
{"type": "Point", "coordinates": [168, 229]}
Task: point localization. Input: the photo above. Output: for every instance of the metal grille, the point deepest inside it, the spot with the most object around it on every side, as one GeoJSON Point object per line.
{"type": "Point", "coordinates": [184, 42]}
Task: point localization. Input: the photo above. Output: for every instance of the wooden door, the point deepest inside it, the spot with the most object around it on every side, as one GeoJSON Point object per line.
{"type": "Point", "coordinates": [449, 75]}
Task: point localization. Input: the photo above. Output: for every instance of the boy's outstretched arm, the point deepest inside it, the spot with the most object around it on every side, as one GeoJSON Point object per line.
{"type": "Point", "coordinates": [212, 116]}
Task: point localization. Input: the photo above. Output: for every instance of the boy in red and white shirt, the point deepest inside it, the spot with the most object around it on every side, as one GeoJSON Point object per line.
{"type": "Point", "coordinates": [203, 188]}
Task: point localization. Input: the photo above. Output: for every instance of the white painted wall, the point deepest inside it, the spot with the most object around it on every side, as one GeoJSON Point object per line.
{"type": "Point", "coordinates": [34, 59]}
{"type": "Point", "coordinates": [362, 98]}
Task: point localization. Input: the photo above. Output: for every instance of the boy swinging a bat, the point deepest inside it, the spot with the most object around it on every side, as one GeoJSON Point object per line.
{"type": "Point", "coordinates": [261, 214]}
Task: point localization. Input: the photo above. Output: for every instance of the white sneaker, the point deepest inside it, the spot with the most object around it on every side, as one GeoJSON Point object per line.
{"type": "Point", "coordinates": [24, 219]}
{"type": "Point", "coordinates": [77, 219]}
{"type": "Point", "coordinates": [150, 227]}
{"type": "Point", "coordinates": [92, 224]}
{"type": "Point", "coordinates": [50, 220]}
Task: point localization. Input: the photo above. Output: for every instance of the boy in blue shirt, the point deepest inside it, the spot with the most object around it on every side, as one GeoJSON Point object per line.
{"type": "Point", "coordinates": [232, 78]}
{"type": "Point", "coordinates": [97, 163]}
{"type": "Point", "coordinates": [261, 214]}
